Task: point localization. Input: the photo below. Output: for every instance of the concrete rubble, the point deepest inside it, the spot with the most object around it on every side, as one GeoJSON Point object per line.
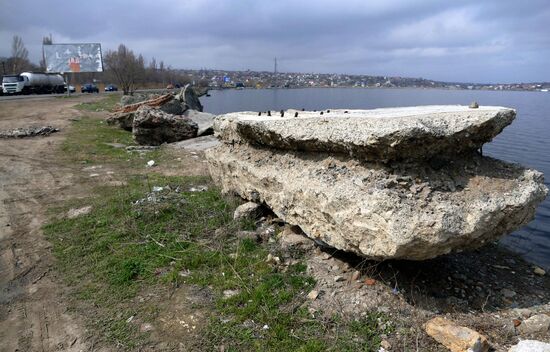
{"type": "Point", "coordinates": [29, 132]}
{"type": "Point", "coordinates": [403, 183]}
{"type": "Point", "coordinates": [455, 337]}
{"type": "Point", "coordinates": [154, 127]}
{"type": "Point", "coordinates": [175, 109]}
{"type": "Point", "coordinates": [530, 346]}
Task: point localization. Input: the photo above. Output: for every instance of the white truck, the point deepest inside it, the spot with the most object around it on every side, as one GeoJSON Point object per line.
{"type": "Point", "coordinates": [33, 82]}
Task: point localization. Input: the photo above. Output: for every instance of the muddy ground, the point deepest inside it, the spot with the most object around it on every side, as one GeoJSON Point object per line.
{"type": "Point", "coordinates": [33, 312]}
{"type": "Point", "coordinates": [486, 289]}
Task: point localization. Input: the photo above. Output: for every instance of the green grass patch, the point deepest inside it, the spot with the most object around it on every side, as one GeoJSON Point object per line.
{"type": "Point", "coordinates": [130, 242]}
{"type": "Point", "coordinates": [105, 104]}
{"type": "Point", "coordinates": [137, 238]}
{"type": "Point", "coordinates": [91, 141]}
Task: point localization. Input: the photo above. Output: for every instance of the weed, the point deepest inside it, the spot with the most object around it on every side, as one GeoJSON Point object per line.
{"type": "Point", "coordinates": [105, 104]}
{"type": "Point", "coordinates": [137, 238]}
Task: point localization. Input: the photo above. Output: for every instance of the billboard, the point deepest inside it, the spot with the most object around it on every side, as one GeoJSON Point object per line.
{"type": "Point", "coordinates": [84, 57]}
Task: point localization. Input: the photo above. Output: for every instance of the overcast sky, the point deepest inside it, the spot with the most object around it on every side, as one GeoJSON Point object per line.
{"type": "Point", "coordinates": [465, 41]}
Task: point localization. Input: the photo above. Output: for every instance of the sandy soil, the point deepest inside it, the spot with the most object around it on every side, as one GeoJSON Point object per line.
{"type": "Point", "coordinates": [33, 309]}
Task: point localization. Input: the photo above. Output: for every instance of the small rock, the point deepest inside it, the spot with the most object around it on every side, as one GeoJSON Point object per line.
{"type": "Point", "coordinates": [74, 213]}
{"type": "Point", "coordinates": [455, 337]}
{"type": "Point", "coordinates": [291, 237]}
{"type": "Point", "coordinates": [508, 293]}
{"type": "Point", "coordinates": [150, 163]}
{"type": "Point", "coordinates": [146, 327]}
{"type": "Point", "coordinates": [474, 105]}
{"type": "Point", "coordinates": [338, 278]}
{"type": "Point", "coordinates": [251, 235]}
{"type": "Point", "coordinates": [385, 345]}
{"type": "Point", "coordinates": [539, 323]}
{"type": "Point", "coordinates": [248, 210]}
{"type": "Point", "coordinates": [523, 312]}
{"type": "Point", "coordinates": [313, 295]}
{"type": "Point", "coordinates": [271, 259]}
{"type": "Point", "coordinates": [370, 282]}
{"type": "Point", "coordinates": [356, 275]}
{"type": "Point", "coordinates": [539, 271]}
{"type": "Point", "coordinates": [530, 346]}
{"type": "Point", "coordinates": [230, 293]}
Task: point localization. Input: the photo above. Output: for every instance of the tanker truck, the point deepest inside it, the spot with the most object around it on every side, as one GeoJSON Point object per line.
{"type": "Point", "coordinates": [33, 82]}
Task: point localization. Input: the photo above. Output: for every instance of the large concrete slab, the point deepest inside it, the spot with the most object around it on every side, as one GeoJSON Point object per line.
{"type": "Point", "coordinates": [379, 134]}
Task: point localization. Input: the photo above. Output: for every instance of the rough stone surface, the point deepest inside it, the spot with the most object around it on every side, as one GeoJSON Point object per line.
{"type": "Point", "coordinates": [402, 210]}
{"type": "Point", "coordinates": [76, 212]}
{"type": "Point", "coordinates": [197, 144]}
{"type": "Point", "coordinates": [204, 120]}
{"type": "Point", "coordinates": [135, 98]}
{"type": "Point", "coordinates": [530, 346]}
{"type": "Point", "coordinates": [380, 134]}
{"type": "Point", "coordinates": [249, 210]}
{"type": "Point", "coordinates": [28, 132]}
{"type": "Point", "coordinates": [189, 98]}
{"type": "Point", "coordinates": [174, 107]}
{"type": "Point", "coordinates": [455, 337]}
{"type": "Point", "coordinates": [537, 324]}
{"type": "Point", "coordinates": [154, 127]}
{"type": "Point", "coordinates": [123, 120]}
{"type": "Point", "coordinates": [293, 238]}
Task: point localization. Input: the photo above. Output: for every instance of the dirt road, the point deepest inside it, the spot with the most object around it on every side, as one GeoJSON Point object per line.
{"type": "Point", "coordinates": [33, 309]}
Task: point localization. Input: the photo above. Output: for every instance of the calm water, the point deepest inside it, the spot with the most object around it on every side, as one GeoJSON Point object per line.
{"type": "Point", "coordinates": [526, 141]}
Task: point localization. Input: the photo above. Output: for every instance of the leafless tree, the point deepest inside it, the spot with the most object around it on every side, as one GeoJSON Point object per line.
{"type": "Point", "coordinates": [45, 41]}
{"type": "Point", "coordinates": [125, 67]}
{"type": "Point", "coordinates": [19, 54]}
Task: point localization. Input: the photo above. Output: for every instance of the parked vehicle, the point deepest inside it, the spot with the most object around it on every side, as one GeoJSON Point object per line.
{"type": "Point", "coordinates": [33, 82]}
{"type": "Point", "coordinates": [89, 88]}
{"type": "Point", "coordinates": [111, 88]}
{"type": "Point", "coordinates": [72, 89]}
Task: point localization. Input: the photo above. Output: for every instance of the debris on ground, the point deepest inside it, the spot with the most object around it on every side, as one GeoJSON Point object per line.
{"type": "Point", "coordinates": [248, 210]}
{"type": "Point", "coordinates": [29, 132]}
{"type": "Point", "coordinates": [154, 127]}
{"type": "Point", "coordinates": [530, 346]}
{"type": "Point", "coordinates": [168, 118]}
{"type": "Point", "coordinates": [455, 337]}
{"type": "Point", "coordinates": [162, 194]}
{"type": "Point", "coordinates": [74, 213]}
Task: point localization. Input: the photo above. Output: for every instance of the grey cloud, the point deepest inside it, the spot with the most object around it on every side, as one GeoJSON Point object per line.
{"type": "Point", "coordinates": [489, 41]}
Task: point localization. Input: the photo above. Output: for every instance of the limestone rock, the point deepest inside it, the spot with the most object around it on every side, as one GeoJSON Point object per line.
{"type": "Point", "coordinates": [135, 98]}
{"type": "Point", "coordinates": [123, 120]}
{"type": "Point", "coordinates": [530, 346]}
{"type": "Point", "coordinates": [404, 183]}
{"type": "Point", "coordinates": [174, 107]}
{"type": "Point", "coordinates": [292, 237]}
{"type": "Point", "coordinates": [379, 134]}
{"type": "Point", "coordinates": [189, 98]}
{"type": "Point", "coordinates": [154, 127]}
{"type": "Point", "coordinates": [455, 337]}
{"type": "Point", "coordinates": [403, 210]}
{"type": "Point", "coordinates": [204, 120]}
{"type": "Point", "coordinates": [249, 210]}
{"type": "Point", "coordinates": [537, 324]}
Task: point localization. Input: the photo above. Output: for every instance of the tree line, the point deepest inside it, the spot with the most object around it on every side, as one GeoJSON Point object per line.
{"type": "Point", "coordinates": [121, 66]}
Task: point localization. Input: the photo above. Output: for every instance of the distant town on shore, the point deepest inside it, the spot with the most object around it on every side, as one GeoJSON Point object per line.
{"type": "Point", "coordinates": [266, 79]}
